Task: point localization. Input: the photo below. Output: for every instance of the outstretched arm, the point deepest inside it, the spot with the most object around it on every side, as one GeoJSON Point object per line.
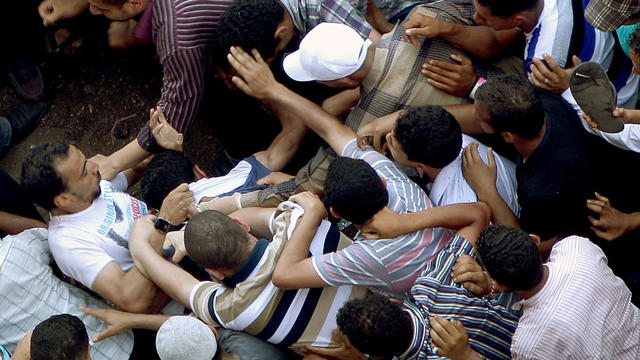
{"type": "Point", "coordinates": [255, 79]}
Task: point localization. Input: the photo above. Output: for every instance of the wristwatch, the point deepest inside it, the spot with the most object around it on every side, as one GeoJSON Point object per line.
{"type": "Point", "coordinates": [164, 226]}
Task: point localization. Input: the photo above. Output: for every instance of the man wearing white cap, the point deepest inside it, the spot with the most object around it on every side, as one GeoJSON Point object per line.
{"type": "Point", "coordinates": [387, 76]}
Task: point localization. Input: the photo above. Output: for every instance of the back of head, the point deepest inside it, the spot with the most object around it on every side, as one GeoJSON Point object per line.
{"type": "Point", "coordinates": [354, 190]}
{"type": "Point", "coordinates": [506, 8]}
{"type": "Point", "coordinates": [185, 337]}
{"type": "Point", "coordinates": [514, 105]}
{"type": "Point", "coordinates": [39, 177]}
{"type": "Point", "coordinates": [375, 326]}
{"type": "Point", "coordinates": [164, 173]}
{"type": "Point", "coordinates": [214, 240]}
{"type": "Point", "coordinates": [251, 24]}
{"type": "Point", "coordinates": [60, 337]}
{"type": "Point", "coordinates": [634, 41]}
{"type": "Point", "coordinates": [510, 256]}
{"type": "Point", "coordinates": [429, 135]}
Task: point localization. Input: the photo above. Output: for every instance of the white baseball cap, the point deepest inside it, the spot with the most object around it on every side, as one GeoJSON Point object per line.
{"type": "Point", "coordinates": [185, 337]}
{"type": "Point", "coordinates": [328, 52]}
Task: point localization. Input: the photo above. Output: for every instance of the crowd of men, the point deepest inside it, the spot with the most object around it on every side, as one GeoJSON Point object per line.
{"type": "Point", "coordinates": [472, 196]}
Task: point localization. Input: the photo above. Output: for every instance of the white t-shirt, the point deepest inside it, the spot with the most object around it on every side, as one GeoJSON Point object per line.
{"type": "Point", "coordinates": [450, 186]}
{"type": "Point", "coordinates": [583, 310]}
{"type": "Point", "coordinates": [85, 242]}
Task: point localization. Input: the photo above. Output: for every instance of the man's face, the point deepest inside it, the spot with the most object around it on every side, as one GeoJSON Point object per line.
{"type": "Point", "coordinates": [396, 150]}
{"type": "Point", "coordinates": [635, 59]}
{"type": "Point", "coordinates": [114, 12]}
{"type": "Point", "coordinates": [80, 176]}
{"type": "Point", "coordinates": [484, 16]}
{"type": "Point", "coordinates": [483, 115]}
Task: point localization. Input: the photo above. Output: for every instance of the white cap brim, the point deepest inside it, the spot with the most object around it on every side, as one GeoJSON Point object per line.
{"type": "Point", "coordinates": [293, 67]}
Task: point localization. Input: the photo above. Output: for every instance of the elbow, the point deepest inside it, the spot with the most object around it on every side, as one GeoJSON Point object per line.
{"type": "Point", "coordinates": [280, 278]}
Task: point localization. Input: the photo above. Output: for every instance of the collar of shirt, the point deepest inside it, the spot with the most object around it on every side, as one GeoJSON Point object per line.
{"type": "Point", "coordinates": [254, 258]}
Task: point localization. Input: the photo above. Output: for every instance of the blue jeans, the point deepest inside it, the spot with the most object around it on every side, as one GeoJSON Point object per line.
{"type": "Point", "coordinates": [247, 347]}
{"type": "Point", "coordinates": [5, 133]}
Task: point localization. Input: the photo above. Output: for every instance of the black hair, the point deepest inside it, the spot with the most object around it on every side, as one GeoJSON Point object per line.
{"type": "Point", "coordinates": [429, 135]}
{"type": "Point", "coordinates": [634, 41]}
{"type": "Point", "coordinates": [375, 326]}
{"type": "Point", "coordinates": [60, 337]}
{"type": "Point", "coordinates": [506, 8]}
{"type": "Point", "coordinates": [354, 190]}
{"type": "Point", "coordinates": [510, 256]}
{"type": "Point", "coordinates": [251, 24]}
{"type": "Point", "coordinates": [513, 104]}
{"type": "Point", "coordinates": [39, 178]}
{"type": "Point", "coordinates": [214, 240]}
{"type": "Point", "coordinates": [164, 173]}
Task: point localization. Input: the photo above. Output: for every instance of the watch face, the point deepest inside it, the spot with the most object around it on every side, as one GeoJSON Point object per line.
{"type": "Point", "coordinates": [162, 225]}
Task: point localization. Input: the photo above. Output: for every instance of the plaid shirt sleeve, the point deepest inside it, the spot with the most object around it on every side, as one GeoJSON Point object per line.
{"type": "Point", "coordinates": [336, 11]}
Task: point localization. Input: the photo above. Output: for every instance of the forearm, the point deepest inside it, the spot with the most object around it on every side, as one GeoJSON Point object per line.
{"type": "Point", "coordinates": [500, 211]}
{"type": "Point", "coordinates": [342, 102]}
{"type": "Point", "coordinates": [480, 41]}
{"type": "Point", "coordinates": [289, 267]}
{"type": "Point", "coordinates": [284, 145]}
{"type": "Point", "coordinates": [125, 158]}
{"type": "Point", "coordinates": [15, 224]}
{"type": "Point", "coordinates": [466, 117]}
{"type": "Point", "coordinates": [147, 321]}
{"type": "Point", "coordinates": [328, 127]}
{"type": "Point", "coordinates": [455, 217]}
{"type": "Point", "coordinates": [632, 221]}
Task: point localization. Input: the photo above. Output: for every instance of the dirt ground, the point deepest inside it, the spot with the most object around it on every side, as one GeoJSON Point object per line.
{"type": "Point", "coordinates": [91, 89]}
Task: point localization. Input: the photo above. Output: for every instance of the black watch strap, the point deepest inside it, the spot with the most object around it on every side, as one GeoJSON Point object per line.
{"type": "Point", "coordinates": [164, 226]}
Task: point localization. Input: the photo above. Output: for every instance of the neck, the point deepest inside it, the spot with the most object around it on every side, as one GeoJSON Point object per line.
{"type": "Point", "coordinates": [70, 210]}
{"type": "Point", "coordinates": [531, 17]}
{"type": "Point", "coordinates": [526, 294]}
{"type": "Point", "coordinates": [430, 172]}
{"type": "Point", "coordinates": [526, 147]}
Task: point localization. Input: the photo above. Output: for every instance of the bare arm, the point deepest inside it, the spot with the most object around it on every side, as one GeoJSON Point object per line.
{"type": "Point", "coordinates": [15, 224]}
{"type": "Point", "coordinates": [479, 40]}
{"type": "Point", "coordinates": [285, 144]}
{"type": "Point", "coordinates": [482, 179]}
{"type": "Point", "coordinates": [129, 291]}
{"type": "Point", "coordinates": [257, 219]}
{"type": "Point", "coordinates": [119, 321]}
{"type": "Point", "coordinates": [294, 269]}
{"type": "Point", "coordinates": [469, 219]}
{"type": "Point", "coordinates": [466, 117]}
{"type": "Point", "coordinates": [144, 245]}
{"type": "Point", "coordinates": [257, 80]}
{"type": "Point", "coordinates": [342, 102]}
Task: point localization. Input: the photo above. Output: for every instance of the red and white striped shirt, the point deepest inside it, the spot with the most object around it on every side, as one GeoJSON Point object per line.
{"type": "Point", "coordinates": [583, 311]}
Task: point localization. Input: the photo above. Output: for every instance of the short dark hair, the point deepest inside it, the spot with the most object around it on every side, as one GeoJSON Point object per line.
{"type": "Point", "coordinates": [354, 190]}
{"type": "Point", "coordinates": [60, 337]}
{"type": "Point", "coordinates": [510, 256]}
{"type": "Point", "coordinates": [634, 41]}
{"type": "Point", "coordinates": [39, 176]}
{"type": "Point", "coordinates": [514, 105]}
{"type": "Point", "coordinates": [214, 240]}
{"type": "Point", "coordinates": [375, 326]}
{"type": "Point", "coordinates": [506, 8]}
{"type": "Point", "coordinates": [251, 24]}
{"type": "Point", "coordinates": [164, 173]}
{"type": "Point", "coordinates": [118, 3]}
{"type": "Point", "coordinates": [429, 135]}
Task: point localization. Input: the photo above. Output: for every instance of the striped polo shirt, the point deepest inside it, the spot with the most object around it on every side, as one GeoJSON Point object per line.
{"type": "Point", "coordinates": [293, 318]}
{"type": "Point", "coordinates": [489, 325]}
{"type": "Point", "coordinates": [389, 264]}
{"type": "Point", "coordinates": [184, 31]}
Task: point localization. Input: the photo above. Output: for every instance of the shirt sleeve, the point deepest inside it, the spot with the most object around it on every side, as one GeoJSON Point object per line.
{"type": "Point", "coordinates": [202, 300]}
{"type": "Point", "coordinates": [67, 247]}
{"type": "Point", "coordinates": [356, 264]}
{"type": "Point", "coordinates": [342, 12]}
{"type": "Point", "coordinates": [182, 89]}
{"type": "Point", "coordinates": [120, 183]}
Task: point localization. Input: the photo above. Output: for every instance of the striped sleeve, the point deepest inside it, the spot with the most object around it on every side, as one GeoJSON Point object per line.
{"type": "Point", "coordinates": [357, 264]}
{"type": "Point", "coordinates": [182, 89]}
{"type": "Point", "coordinates": [202, 301]}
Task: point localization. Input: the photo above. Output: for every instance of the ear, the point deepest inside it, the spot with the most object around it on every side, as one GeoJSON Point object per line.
{"type": "Point", "coordinates": [215, 273]}
{"type": "Point", "coordinates": [281, 30]}
{"type": "Point", "coordinates": [61, 200]}
{"type": "Point", "coordinates": [518, 19]}
{"type": "Point", "coordinates": [200, 174]}
{"type": "Point", "coordinates": [507, 136]}
{"type": "Point", "coordinates": [383, 181]}
{"type": "Point", "coordinates": [535, 238]}
{"type": "Point", "coordinates": [334, 213]}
